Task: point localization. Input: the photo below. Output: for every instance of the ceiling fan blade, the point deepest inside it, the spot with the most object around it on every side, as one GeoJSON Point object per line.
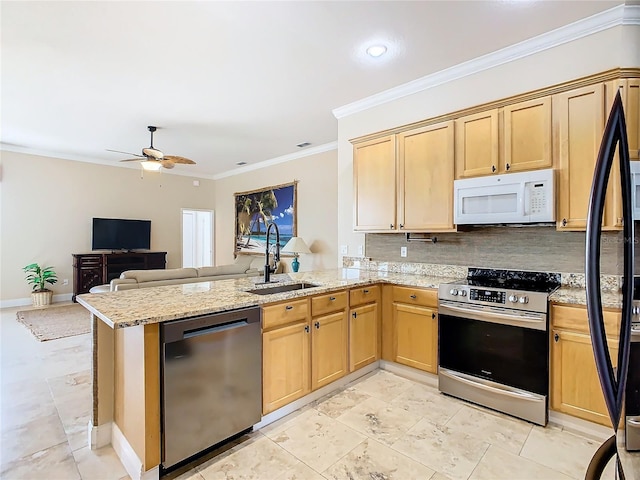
{"type": "Point", "coordinates": [167, 163]}
{"type": "Point", "coordinates": [133, 160]}
{"type": "Point", "coordinates": [126, 153]}
{"type": "Point", "coordinates": [177, 159]}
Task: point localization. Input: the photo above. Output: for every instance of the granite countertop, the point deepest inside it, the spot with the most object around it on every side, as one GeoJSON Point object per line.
{"type": "Point", "coordinates": [160, 304]}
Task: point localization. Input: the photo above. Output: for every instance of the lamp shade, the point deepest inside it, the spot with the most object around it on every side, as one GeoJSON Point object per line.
{"type": "Point", "coordinates": [296, 245]}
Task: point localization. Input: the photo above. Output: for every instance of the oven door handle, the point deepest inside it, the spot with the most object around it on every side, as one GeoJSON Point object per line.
{"type": "Point", "coordinates": [537, 323]}
{"type": "Point", "coordinates": [634, 422]}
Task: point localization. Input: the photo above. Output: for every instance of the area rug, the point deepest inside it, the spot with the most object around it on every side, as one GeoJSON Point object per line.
{"type": "Point", "coordinates": [56, 322]}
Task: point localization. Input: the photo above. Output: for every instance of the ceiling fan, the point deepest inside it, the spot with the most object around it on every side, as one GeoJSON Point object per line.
{"type": "Point", "coordinates": [154, 158]}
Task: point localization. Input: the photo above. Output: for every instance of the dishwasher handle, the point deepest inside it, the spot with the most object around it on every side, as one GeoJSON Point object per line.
{"type": "Point", "coordinates": [177, 330]}
{"type": "Point", "coordinates": [198, 332]}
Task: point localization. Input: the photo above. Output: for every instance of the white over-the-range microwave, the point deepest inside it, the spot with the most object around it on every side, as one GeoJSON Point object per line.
{"type": "Point", "coordinates": [526, 197]}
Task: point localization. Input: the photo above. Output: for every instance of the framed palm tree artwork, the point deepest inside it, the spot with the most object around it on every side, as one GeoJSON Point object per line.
{"type": "Point", "coordinates": [256, 209]}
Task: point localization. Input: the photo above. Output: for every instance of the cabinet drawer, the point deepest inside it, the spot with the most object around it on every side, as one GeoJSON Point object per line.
{"type": "Point", "coordinates": [331, 302]}
{"type": "Point", "coordinates": [359, 296]}
{"type": "Point", "coordinates": [90, 261]}
{"type": "Point", "coordinates": [285, 312]}
{"type": "Point", "coordinates": [415, 296]}
{"type": "Point", "coordinates": [576, 318]}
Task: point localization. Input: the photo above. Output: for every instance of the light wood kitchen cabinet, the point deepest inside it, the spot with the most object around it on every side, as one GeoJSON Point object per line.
{"type": "Point", "coordinates": [526, 136]}
{"type": "Point", "coordinates": [425, 179]}
{"type": "Point", "coordinates": [477, 148]}
{"type": "Point", "coordinates": [329, 339]}
{"type": "Point", "coordinates": [415, 327]}
{"type": "Point", "coordinates": [364, 341]}
{"type": "Point", "coordinates": [575, 386]}
{"type": "Point", "coordinates": [632, 116]}
{"type": "Point", "coordinates": [578, 126]}
{"type": "Point", "coordinates": [374, 175]}
{"type": "Point", "coordinates": [514, 138]}
{"type": "Point", "coordinates": [286, 353]}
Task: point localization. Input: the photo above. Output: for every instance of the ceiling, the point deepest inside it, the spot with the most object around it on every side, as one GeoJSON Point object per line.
{"type": "Point", "coordinates": [229, 82]}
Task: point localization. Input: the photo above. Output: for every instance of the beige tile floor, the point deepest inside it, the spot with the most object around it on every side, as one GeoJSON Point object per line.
{"type": "Point", "coordinates": [381, 427]}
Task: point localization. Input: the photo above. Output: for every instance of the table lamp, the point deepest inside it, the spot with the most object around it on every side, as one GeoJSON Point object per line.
{"type": "Point", "coordinates": [296, 246]}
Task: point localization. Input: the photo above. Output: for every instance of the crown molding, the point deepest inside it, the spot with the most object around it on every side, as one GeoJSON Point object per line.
{"type": "Point", "coordinates": [327, 147]}
{"type": "Point", "coordinates": [620, 15]}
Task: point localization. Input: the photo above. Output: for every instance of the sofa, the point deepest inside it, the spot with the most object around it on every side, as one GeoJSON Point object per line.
{"type": "Point", "coordinates": [243, 266]}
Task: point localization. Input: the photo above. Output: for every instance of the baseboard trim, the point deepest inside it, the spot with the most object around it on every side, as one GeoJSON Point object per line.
{"type": "Point", "coordinates": [579, 426]}
{"type": "Point", "coordinates": [313, 396]}
{"type": "Point", "coordinates": [132, 464]}
{"type": "Point", "coordinates": [410, 373]}
{"type": "Point", "coordinates": [22, 302]}
{"type": "Point", "coordinates": [99, 435]}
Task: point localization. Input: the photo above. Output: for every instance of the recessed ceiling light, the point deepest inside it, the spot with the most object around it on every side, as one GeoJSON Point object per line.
{"type": "Point", "coordinates": [376, 50]}
{"type": "Point", "coordinates": [303, 144]}
{"type": "Point", "coordinates": [241, 163]}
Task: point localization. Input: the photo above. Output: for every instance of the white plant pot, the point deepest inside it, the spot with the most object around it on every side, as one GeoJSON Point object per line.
{"type": "Point", "coordinates": [40, 299]}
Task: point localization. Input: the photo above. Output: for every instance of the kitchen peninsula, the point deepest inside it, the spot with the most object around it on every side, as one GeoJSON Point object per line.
{"type": "Point", "coordinates": [126, 344]}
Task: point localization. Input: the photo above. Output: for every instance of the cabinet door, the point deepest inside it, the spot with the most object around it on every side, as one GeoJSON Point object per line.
{"type": "Point", "coordinates": [527, 136]}
{"type": "Point", "coordinates": [285, 365]}
{"type": "Point", "coordinates": [328, 349]}
{"type": "Point", "coordinates": [578, 126]}
{"type": "Point", "coordinates": [632, 116]}
{"type": "Point", "coordinates": [374, 175]}
{"type": "Point", "coordinates": [575, 387]}
{"type": "Point", "coordinates": [426, 173]}
{"type": "Point", "coordinates": [612, 218]}
{"type": "Point", "coordinates": [363, 336]}
{"type": "Point", "coordinates": [416, 336]}
{"type": "Point", "coordinates": [477, 144]}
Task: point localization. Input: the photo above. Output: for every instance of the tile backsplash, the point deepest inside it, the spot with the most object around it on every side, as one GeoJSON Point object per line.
{"type": "Point", "coordinates": [537, 248]}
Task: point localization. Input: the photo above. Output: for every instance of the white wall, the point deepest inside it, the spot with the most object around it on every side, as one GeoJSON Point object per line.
{"type": "Point", "coordinates": [47, 204]}
{"type": "Point", "coordinates": [317, 203]}
{"type": "Point", "coordinates": [615, 47]}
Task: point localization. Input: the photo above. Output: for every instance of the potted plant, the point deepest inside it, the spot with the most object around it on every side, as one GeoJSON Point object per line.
{"type": "Point", "coordinates": [38, 277]}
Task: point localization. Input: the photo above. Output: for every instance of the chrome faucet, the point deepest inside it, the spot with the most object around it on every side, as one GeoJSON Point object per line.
{"type": "Point", "coordinates": [268, 270]}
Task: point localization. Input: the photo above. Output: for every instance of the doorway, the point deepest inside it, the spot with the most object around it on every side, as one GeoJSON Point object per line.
{"type": "Point", "coordinates": [197, 238]}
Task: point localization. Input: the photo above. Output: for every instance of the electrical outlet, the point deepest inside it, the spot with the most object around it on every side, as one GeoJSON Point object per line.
{"type": "Point", "coordinates": [344, 249]}
{"type": "Point", "coordinates": [65, 281]}
{"type": "Point", "coordinates": [360, 250]}
{"type": "Point", "coordinates": [403, 251]}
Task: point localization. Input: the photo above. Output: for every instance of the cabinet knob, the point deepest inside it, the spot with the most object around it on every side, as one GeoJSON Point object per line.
{"type": "Point", "coordinates": [493, 168]}
{"type": "Point", "coordinates": [564, 222]}
{"type": "Point", "coordinates": [433, 316]}
{"type": "Point", "coordinates": [317, 325]}
{"type": "Point", "coordinates": [354, 314]}
{"type": "Point", "coordinates": [332, 299]}
{"type": "Point", "coordinates": [365, 291]}
{"type": "Point", "coordinates": [556, 338]}
{"type": "Point", "coordinates": [507, 166]}
{"type": "Point", "coordinates": [306, 328]}
{"type": "Point", "coordinates": [413, 296]}
{"type": "Point", "coordinates": [401, 225]}
{"type": "Point", "coordinates": [288, 307]}
{"type": "Point", "coordinates": [391, 225]}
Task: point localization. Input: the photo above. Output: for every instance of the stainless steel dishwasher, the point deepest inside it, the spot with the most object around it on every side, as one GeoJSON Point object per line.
{"type": "Point", "coordinates": [211, 369]}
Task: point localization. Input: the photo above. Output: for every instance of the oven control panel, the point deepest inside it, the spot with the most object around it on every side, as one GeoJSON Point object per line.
{"type": "Point", "coordinates": [492, 296]}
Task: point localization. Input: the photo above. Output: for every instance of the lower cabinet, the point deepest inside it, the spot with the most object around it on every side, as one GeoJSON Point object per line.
{"type": "Point", "coordinates": [575, 386]}
{"type": "Point", "coordinates": [415, 328]}
{"type": "Point", "coordinates": [364, 341]}
{"type": "Point", "coordinates": [328, 348]}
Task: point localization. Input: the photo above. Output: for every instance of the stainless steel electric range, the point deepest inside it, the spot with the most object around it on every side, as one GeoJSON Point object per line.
{"type": "Point", "coordinates": [494, 340]}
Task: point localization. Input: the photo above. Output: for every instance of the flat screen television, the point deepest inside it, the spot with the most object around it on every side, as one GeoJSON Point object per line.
{"type": "Point", "coordinates": [121, 234]}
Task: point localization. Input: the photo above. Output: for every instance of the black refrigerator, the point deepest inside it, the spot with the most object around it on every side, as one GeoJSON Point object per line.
{"type": "Point", "coordinates": [614, 382]}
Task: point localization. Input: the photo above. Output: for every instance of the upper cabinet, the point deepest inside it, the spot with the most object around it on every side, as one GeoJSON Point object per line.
{"type": "Point", "coordinates": [632, 116]}
{"type": "Point", "coordinates": [374, 175]}
{"type": "Point", "coordinates": [408, 190]}
{"type": "Point", "coordinates": [515, 138]}
{"type": "Point", "coordinates": [425, 179]}
{"type": "Point", "coordinates": [578, 123]}
{"type": "Point", "coordinates": [477, 144]}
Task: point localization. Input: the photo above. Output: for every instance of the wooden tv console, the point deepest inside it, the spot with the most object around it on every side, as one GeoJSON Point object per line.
{"type": "Point", "coordinates": [91, 269]}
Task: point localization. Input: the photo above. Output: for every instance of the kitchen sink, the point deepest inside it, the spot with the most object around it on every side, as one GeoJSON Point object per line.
{"type": "Point", "coordinates": [282, 288]}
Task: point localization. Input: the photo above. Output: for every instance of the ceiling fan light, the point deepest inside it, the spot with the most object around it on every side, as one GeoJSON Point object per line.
{"type": "Point", "coordinates": [151, 166]}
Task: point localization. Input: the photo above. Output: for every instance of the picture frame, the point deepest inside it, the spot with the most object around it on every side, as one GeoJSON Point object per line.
{"type": "Point", "coordinates": [256, 209]}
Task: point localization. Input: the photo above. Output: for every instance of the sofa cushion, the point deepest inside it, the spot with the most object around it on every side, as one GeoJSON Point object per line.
{"type": "Point", "coordinates": [160, 274]}
{"type": "Point", "coordinates": [221, 270]}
